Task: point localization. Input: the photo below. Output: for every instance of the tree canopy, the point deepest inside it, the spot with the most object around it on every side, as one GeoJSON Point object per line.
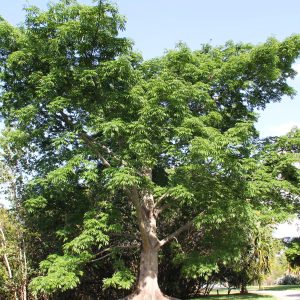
{"type": "Point", "coordinates": [118, 154]}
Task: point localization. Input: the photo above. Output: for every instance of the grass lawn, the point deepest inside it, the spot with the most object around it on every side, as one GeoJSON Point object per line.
{"type": "Point", "coordinates": [234, 295]}
{"type": "Point", "coordinates": [282, 288]}
{"type": "Point", "coordinates": [237, 297]}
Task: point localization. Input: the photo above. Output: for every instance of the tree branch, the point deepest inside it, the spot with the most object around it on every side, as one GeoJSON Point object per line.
{"type": "Point", "coordinates": [176, 233]}
{"type": "Point", "coordinates": [100, 258]}
{"type": "Point", "coordinates": [6, 261]}
{"type": "Point", "coordinates": [88, 140]}
{"type": "Point", "coordinates": [133, 195]}
{"type": "Point", "coordinates": [111, 248]}
{"type": "Point", "coordinates": [162, 208]}
{"type": "Point", "coordinates": [133, 245]}
{"type": "Point", "coordinates": [160, 199]}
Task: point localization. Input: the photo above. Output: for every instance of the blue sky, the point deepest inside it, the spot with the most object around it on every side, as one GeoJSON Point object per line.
{"type": "Point", "coordinates": [157, 25]}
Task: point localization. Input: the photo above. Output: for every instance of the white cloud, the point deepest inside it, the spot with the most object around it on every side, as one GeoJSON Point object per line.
{"type": "Point", "coordinates": [280, 129]}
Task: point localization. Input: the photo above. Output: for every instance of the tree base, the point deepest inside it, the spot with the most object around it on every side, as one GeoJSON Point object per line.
{"type": "Point", "coordinates": [148, 295]}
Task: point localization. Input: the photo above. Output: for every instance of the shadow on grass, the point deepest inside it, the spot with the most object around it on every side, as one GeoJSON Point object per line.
{"type": "Point", "coordinates": [237, 297]}
{"type": "Point", "coordinates": [281, 288]}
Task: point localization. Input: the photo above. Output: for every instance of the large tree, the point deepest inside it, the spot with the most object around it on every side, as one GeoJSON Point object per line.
{"type": "Point", "coordinates": [119, 153]}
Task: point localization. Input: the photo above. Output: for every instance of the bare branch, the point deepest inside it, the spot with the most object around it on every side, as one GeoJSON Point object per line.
{"type": "Point", "coordinates": [176, 233]}
{"type": "Point", "coordinates": [100, 258]}
{"type": "Point", "coordinates": [110, 249]}
{"type": "Point", "coordinates": [129, 246]}
{"type": "Point", "coordinates": [160, 199]}
{"type": "Point", "coordinates": [6, 261]}
{"type": "Point", "coordinates": [88, 140]}
{"type": "Point", "coordinates": [162, 208]}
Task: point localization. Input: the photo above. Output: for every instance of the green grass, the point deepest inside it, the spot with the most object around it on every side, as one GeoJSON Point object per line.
{"type": "Point", "coordinates": [281, 287]}
{"type": "Point", "coordinates": [237, 297]}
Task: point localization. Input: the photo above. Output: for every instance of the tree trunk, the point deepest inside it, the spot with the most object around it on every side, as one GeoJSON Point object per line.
{"type": "Point", "coordinates": [244, 289]}
{"type": "Point", "coordinates": [23, 261]}
{"type": "Point", "coordinates": [147, 285]}
{"type": "Point", "coordinates": [5, 256]}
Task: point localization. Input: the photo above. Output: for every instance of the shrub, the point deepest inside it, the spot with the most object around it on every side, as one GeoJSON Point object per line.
{"type": "Point", "coordinates": [288, 280]}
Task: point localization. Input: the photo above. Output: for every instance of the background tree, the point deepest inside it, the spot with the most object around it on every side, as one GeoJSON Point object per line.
{"type": "Point", "coordinates": [13, 269]}
{"type": "Point", "coordinates": [125, 154]}
{"type": "Point", "coordinates": [293, 254]}
{"type": "Point", "coordinates": [255, 260]}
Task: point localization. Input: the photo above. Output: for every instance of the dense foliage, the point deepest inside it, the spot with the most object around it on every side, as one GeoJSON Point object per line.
{"type": "Point", "coordinates": [292, 253]}
{"type": "Point", "coordinates": [117, 154]}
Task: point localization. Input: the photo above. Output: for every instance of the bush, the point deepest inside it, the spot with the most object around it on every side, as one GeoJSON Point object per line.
{"type": "Point", "coordinates": [288, 280]}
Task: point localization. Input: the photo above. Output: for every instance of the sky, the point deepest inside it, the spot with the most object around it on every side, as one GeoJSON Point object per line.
{"type": "Point", "coordinates": [158, 25]}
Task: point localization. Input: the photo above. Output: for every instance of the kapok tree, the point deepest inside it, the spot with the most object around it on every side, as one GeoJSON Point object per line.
{"type": "Point", "coordinates": [107, 139]}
